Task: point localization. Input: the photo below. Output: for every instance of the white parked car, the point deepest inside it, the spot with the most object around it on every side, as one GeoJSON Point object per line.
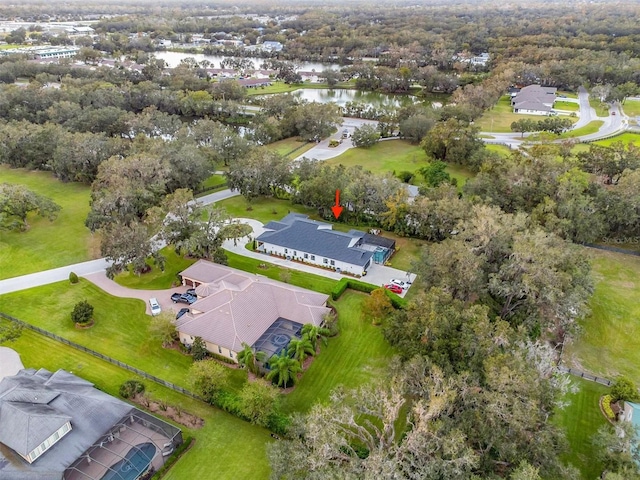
{"type": "Point", "coordinates": [155, 307]}
{"type": "Point", "coordinates": [400, 283]}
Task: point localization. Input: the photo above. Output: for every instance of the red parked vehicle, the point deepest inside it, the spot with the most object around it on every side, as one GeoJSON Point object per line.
{"type": "Point", "coordinates": [393, 288]}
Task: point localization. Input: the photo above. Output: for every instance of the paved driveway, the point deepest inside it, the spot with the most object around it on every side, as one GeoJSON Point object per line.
{"type": "Point", "coordinates": [101, 280]}
{"type": "Point", "coordinates": [377, 274]}
{"type": "Point", "coordinates": [322, 150]}
{"type": "Point", "coordinates": [10, 362]}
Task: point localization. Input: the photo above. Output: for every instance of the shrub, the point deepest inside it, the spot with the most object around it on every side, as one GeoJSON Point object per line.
{"type": "Point", "coordinates": [82, 312]}
{"type": "Point", "coordinates": [405, 176]}
{"type": "Point", "coordinates": [131, 388]}
{"type": "Point", "coordinates": [198, 349]}
{"type": "Point", "coordinates": [624, 389]}
{"type": "Point", "coordinates": [606, 406]}
{"type": "Point", "coordinates": [73, 278]}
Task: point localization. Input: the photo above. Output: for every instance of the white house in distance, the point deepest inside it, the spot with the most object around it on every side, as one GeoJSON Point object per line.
{"type": "Point", "coordinates": [236, 307]}
{"type": "Point", "coordinates": [534, 100]}
{"type": "Point", "coordinates": [296, 237]}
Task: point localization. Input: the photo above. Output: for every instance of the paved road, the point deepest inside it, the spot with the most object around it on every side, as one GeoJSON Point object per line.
{"type": "Point", "coordinates": [615, 122]}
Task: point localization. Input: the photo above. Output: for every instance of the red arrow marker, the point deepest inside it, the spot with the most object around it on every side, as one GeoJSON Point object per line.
{"type": "Point", "coordinates": [337, 209]}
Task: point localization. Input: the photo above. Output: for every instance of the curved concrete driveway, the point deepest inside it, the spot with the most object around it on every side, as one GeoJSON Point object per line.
{"type": "Point", "coordinates": [101, 280]}
{"type": "Point", "coordinates": [322, 151]}
{"type": "Point", "coordinates": [10, 362]}
{"type": "Point", "coordinates": [377, 274]}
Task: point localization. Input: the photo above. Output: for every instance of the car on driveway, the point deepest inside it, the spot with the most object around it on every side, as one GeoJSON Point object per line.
{"type": "Point", "coordinates": [399, 283]}
{"type": "Point", "coordinates": [155, 306]}
{"type": "Point", "coordinates": [192, 291]}
{"type": "Point", "coordinates": [393, 288]}
{"type": "Point", "coordinates": [182, 312]}
{"type": "Point", "coordinates": [183, 298]}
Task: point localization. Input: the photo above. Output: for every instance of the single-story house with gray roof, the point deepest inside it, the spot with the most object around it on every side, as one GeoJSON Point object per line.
{"type": "Point", "coordinates": [236, 307]}
{"type": "Point", "coordinates": [57, 426]}
{"type": "Point", "coordinates": [296, 237]}
{"type": "Point", "coordinates": [534, 100]}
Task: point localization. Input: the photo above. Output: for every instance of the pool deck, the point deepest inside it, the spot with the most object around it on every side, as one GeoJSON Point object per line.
{"type": "Point", "coordinates": [114, 451]}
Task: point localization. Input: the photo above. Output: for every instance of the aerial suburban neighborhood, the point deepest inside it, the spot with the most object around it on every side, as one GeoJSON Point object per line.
{"type": "Point", "coordinates": [319, 239]}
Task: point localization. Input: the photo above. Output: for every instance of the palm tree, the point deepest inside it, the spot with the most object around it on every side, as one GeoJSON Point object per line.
{"type": "Point", "coordinates": [250, 359]}
{"type": "Point", "coordinates": [315, 332]}
{"type": "Point", "coordinates": [284, 369]}
{"type": "Point", "coordinates": [300, 349]}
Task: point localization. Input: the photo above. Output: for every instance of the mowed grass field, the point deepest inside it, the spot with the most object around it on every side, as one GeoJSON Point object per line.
{"type": "Point", "coordinates": [357, 355]}
{"type": "Point", "coordinates": [631, 107]}
{"type": "Point", "coordinates": [290, 147]}
{"type": "Point", "coordinates": [626, 138]}
{"type": "Point", "coordinates": [394, 156]}
{"type": "Point", "coordinates": [222, 445]}
{"type": "Point", "coordinates": [47, 244]}
{"type": "Point", "coordinates": [581, 420]}
{"type": "Point", "coordinates": [501, 116]}
{"type": "Point", "coordinates": [608, 343]}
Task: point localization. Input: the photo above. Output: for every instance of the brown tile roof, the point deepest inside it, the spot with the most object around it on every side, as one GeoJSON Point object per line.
{"type": "Point", "coordinates": [245, 305]}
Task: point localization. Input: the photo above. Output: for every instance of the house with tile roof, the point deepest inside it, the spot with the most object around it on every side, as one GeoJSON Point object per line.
{"type": "Point", "coordinates": [236, 307]}
{"type": "Point", "coordinates": [296, 237]}
{"type": "Point", "coordinates": [534, 100]}
{"type": "Point", "coordinates": [57, 426]}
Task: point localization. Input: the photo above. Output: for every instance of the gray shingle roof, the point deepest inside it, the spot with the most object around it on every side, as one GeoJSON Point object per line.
{"type": "Point", "coordinates": [245, 305]}
{"type": "Point", "coordinates": [25, 421]}
{"type": "Point", "coordinates": [319, 239]}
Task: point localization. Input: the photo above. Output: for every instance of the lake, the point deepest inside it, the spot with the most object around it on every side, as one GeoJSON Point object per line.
{"type": "Point", "coordinates": [341, 97]}
{"type": "Point", "coordinates": [173, 60]}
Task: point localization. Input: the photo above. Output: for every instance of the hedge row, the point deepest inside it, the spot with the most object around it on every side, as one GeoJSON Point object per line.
{"type": "Point", "coordinates": [344, 283]}
{"type": "Point", "coordinates": [231, 403]}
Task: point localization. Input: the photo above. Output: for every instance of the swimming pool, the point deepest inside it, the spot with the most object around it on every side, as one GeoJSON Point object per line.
{"type": "Point", "coordinates": [135, 463]}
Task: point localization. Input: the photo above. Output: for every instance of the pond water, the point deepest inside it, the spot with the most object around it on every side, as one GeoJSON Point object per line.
{"type": "Point", "coordinates": [341, 97]}
{"type": "Point", "coordinates": [173, 60]}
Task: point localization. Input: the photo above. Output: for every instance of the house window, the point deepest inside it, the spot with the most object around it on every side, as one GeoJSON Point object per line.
{"type": "Point", "coordinates": [333, 262]}
{"type": "Point", "coordinates": [313, 257]}
{"type": "Point", "coordinates": [325, 261]}
{"type": "Point", "coordinates": [231, 354]}
{"type": "Point", "coordinates": [219, 349]}
{"type": "Point", "coordinates": [295, 253]}
{"type": "Point", "coordinates": [286, 251]}
{"type": "Point", "coordinates": [306, 255]}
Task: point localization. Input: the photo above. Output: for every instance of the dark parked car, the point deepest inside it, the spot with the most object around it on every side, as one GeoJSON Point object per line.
{"type": "Point", "coordinates": [182, 312]}
{"type": "Point", "coordinates": [192, 291]}
{"type": "Point", "coordinates": [183, 298]}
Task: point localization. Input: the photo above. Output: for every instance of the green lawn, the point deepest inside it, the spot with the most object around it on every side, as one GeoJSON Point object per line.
{"type": "Point", "coordinates": [156, 279]}
{"type": "Point", "coordinates": [263, 209]}
{"type": "Point", "coordinates": [48, 244]}
{"type": "Point", "coordinates": [609, 341]}
{"type": "Point", "coordinates": [631, 108]}
{"type": "Point", "coordinates": [626, 138]}
{"type": "Point", "coordinates": [501, 150]}
{"type": "Point", "coordinates": [589, 128]}
{"type": "Point", "coordinates": [222, 444]}
{"type": "Point", "coordinates": [121, 327]}
{"type": "Point", "coordinates": [357, 355]}
{"type": "Point", "coordinates": [568, 94]}
{"type": "Point", "coordinates": [287, 146]}
{"type": "Point", "coordinates": [294, 277]}
{"type": "Point", "coordinates": [394, 156]}
{"type": "Point", "coordinates": [580, 420]}
{"type": "Point", "coordinates": [570, 106]}
{"type": "Point", "coordinates": [213, 181]}
{"type": "Point", "coordinates": [602, 108]}
{"type": "Point", "coordinates": [499, 118]}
